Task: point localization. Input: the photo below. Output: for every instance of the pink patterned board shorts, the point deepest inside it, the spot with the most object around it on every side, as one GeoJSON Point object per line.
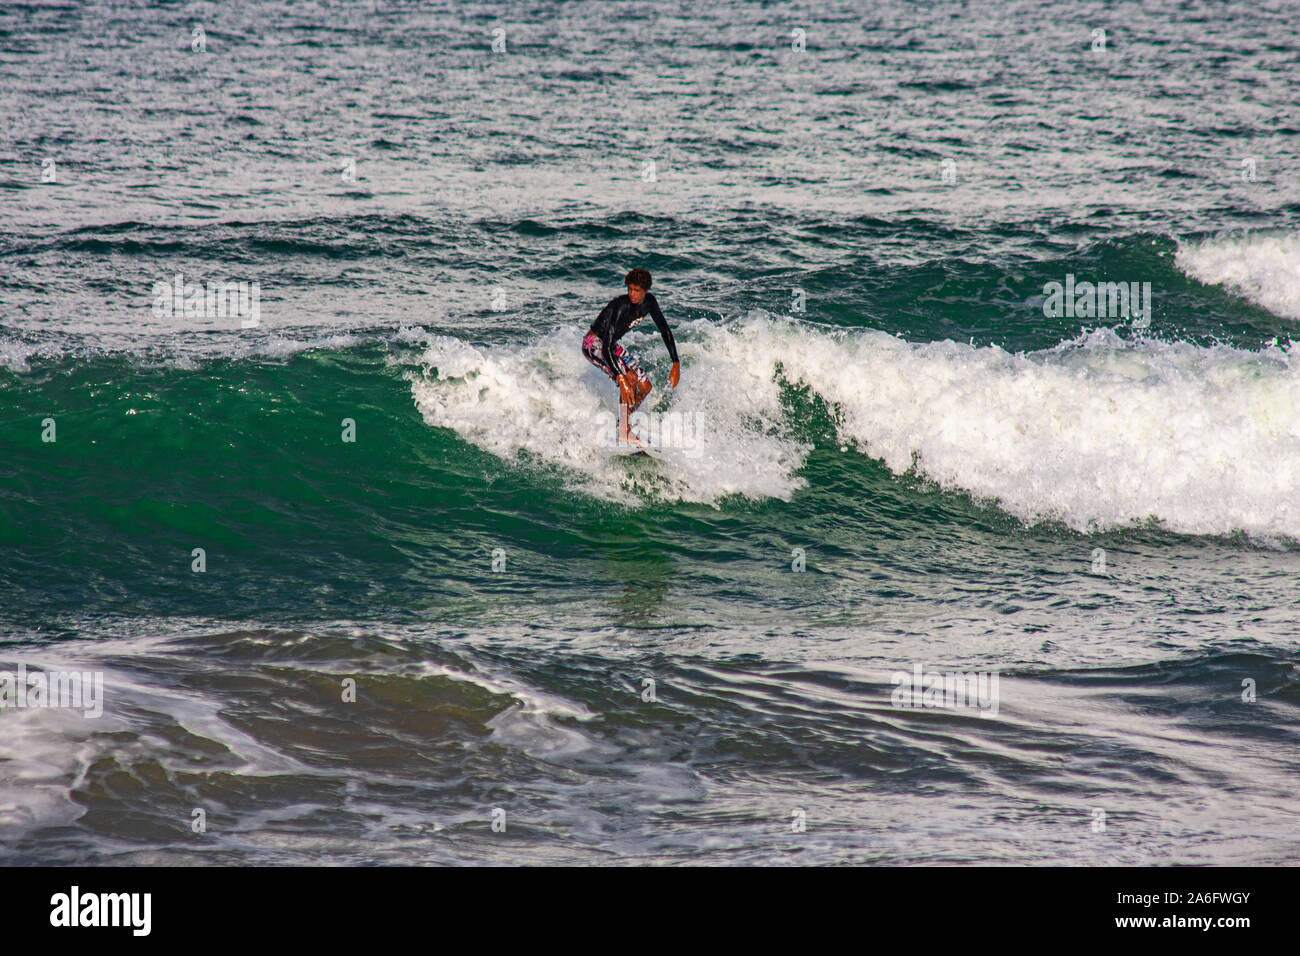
{"type": "Point", "coordinates": [624, 361]}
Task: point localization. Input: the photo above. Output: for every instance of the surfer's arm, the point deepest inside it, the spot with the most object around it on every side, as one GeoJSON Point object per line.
{"type": "Point", "coordinates": [657, 314]}
{"type": "Point", "coordinates": [605, 322]}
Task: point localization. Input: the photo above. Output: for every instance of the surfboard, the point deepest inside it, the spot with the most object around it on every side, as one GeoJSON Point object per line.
{"type": "Point", "coordinates": [636, 451]}
{"type": "Point", "coordinates": [636, 448]}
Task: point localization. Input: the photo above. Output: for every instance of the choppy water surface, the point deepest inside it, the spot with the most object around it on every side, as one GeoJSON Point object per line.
{"type": "Point", "coordinates": [852, 240]}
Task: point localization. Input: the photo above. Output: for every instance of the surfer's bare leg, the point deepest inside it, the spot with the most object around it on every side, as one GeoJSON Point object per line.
{"type": "Point", "coordinates": [624, 427]}
{"type": "Point", "coordinates": [627, 404]}
{"type": "Point", "coordinates": [625, 370]}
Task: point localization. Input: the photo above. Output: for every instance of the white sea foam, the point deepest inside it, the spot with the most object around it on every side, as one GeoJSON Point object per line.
{"type": "Point", "coordinates": [546, 399]}
{"type": "Point", "coordinates": [1264, 268]}
{"type": "Point", "coordinates": [1098, 432]}
{"type": "Point", "coordinates": [14, 354]}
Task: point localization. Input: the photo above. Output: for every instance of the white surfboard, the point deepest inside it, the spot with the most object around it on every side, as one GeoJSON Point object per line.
{"type": "Point", "coordinates": [636, 449]}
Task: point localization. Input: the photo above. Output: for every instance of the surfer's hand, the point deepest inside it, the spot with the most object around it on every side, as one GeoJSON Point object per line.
{"type": "Point", "coordinates": [675, 375]}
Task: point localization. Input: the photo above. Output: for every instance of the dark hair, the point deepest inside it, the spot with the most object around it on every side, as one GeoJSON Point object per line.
{"type": "Point", "coordinates": [639, 278]}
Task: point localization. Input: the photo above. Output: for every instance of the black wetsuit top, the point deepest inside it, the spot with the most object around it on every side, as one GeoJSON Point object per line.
{"type": "Point", "coordinates": [620, 315]}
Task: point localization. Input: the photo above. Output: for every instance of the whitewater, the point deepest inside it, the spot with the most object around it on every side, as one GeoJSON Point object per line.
{"type": "Point", "coordinates": [1097, 433]}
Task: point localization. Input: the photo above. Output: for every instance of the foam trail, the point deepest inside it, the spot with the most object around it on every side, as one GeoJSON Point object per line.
{"type": "Point", "coordinates": [1263, 268]}
{"type": "Point", "coordinates": [546, 399]}
{"type": "Point", "coordinates": [1096, 433]}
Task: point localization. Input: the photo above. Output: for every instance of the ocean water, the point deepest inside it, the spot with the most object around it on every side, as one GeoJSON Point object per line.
{"type": "Point", "coordinates": [432, 618]}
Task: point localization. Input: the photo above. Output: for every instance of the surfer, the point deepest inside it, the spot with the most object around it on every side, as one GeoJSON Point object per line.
{"type": "Point", "coordinates": [601, 348]}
